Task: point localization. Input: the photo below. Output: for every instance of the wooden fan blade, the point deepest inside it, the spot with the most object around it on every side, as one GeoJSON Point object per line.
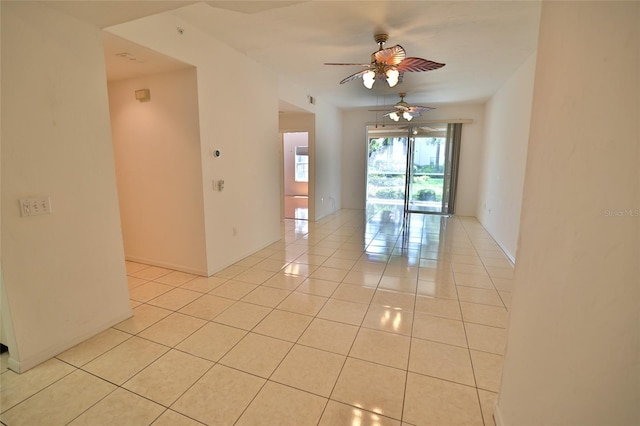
{"type": "Point", "coordinates": [355, 65]}
{"type": "Point", "coordinates": [418, 64]}
{"type": "Point", "coordinates": [359, 74]}
{"type": "Point", "coordinates": [419, 109]}
{"type": "Point", "coordinates": [390, 56]}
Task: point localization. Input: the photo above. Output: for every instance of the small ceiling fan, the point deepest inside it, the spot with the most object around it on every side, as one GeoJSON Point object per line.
{"type": "Point", "coordinates": [404, 110]}
{"type": "Point", "coordinates": [388, 64]}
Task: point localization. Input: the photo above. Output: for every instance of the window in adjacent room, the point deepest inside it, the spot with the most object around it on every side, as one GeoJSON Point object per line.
{"type": "Point", "coordinates": [302, 164]}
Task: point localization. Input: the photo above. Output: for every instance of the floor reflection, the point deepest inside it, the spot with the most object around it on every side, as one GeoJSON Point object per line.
{"type": "Point", "coordinates": [296, 207]}
{"type": "Point", "coordinates": [359, 318]}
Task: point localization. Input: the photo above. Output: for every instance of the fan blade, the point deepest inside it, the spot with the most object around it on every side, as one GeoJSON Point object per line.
{"type": "Point", "coordinates": [390, 56]}
{"type": "Point", "coordinates": [355, 65]}
{"type": "Point", "coordinates": [420, 109]}
{"type": "Point", "coordinates": [354, 76]}
{"type": "Point", "coordinates": [418, 64]}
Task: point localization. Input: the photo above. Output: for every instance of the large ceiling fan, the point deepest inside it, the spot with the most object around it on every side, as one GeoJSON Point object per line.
{"type": "Point", "coordinates": [404, 110]}
{"type": "Point", "coordinates": [388, 64]}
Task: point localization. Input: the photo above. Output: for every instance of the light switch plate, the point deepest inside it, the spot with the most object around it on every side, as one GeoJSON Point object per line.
{"type": "Point", "coordinates": [35, 206]}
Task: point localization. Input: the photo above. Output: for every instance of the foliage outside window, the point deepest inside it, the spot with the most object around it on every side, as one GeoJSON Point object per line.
{"type": "Point", "coordinates": [387, 165]}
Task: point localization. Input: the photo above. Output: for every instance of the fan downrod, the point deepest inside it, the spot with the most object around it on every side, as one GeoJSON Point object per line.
{"type": "Point", "coordinates": [402, 103]}
{"type": "Point", "coordinates": [381, 39]}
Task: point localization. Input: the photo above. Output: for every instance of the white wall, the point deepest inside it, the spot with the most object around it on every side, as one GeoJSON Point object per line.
{"type": "Point", "coordinates": [504, 155]}
{"type": "Point", "coordinates": [354, 154]}
{"type": "Point", "coordinates": [64, 273]}
{"type": "Point", "coordinates": [573, 346]}
{"type": "Point", "coordinates": [295, 96]}
{"type": "Point", "coordinates": [328, 160]}
{"type": "Point", "coordinates": [354, 158]}
{"type": "Point", "coordinates": [245, 216]}
{"type": "Point", "coordinates": [159, 170]}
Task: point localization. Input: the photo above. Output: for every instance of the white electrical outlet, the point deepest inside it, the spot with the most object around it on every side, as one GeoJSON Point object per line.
{"type": "Point", "coordinates": [25, 208]}
{"type": "Point", "coordinates": [35, 206]}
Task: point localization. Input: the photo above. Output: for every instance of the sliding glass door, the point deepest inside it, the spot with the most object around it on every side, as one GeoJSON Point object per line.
{"type": "Point", "coordinates": [412, 169]}
{"type": "Point", "coordinates": [426, 169]}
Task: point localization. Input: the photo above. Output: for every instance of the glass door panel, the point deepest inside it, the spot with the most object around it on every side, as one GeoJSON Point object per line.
{"type": "Point", "coordinates": [426, 169]}
{"type": "Point", "coordinates": [386, 173]}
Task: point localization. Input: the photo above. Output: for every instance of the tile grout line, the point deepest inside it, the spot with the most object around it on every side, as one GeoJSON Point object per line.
{"type": "Point", "coordinates": [413, 318]}
{"type": "Point", "coordinates": [473, 368]}
{"type": "Point", "coordinates": [348, 352]}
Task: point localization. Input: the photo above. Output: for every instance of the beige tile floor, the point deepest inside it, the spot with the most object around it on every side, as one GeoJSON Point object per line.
{"type": "Point", "coordinates": [346, 321]}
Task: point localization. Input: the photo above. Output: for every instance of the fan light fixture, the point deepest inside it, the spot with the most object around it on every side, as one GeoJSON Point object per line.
{"type": "Point", "coordinates": [383, 64]}
{"type": "Point", "coordinates": [392, 77]}
{"type": "Point", "coordinates": [368, 78]}
{"type": "Point", "coordinates": [395, 117]}
{"type": "Point", "coordinates": [404, 110]}
{"type": "Point", "coordinates": [388, 64]}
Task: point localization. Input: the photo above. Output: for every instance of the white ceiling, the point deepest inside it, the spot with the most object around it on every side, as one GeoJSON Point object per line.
{"type": "Point", "coordinates": [482, 42]}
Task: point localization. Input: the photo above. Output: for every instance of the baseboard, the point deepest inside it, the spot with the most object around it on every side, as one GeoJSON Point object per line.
{"type": "Point", "coordinates": [22, 365]}
{"type": "Point", "coordinates": [511, 257]}
{"type": "Point", "coordinates": [497, 416]}
{"type": "Point", "coordinates": [506, 252]}
{"type": "Point", "coordinates": [13, 364]}
{"type": "Point", "coordinates": [167, 265]}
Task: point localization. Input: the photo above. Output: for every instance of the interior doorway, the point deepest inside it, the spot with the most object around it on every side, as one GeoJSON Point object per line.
{"type": "Point", "coordinates": [295, 160]}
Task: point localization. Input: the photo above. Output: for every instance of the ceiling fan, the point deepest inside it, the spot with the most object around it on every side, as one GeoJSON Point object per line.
{"type": "Point", "coordinates": [404, 110]}
{"type": "Point", "coordinates": [388, 64]}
